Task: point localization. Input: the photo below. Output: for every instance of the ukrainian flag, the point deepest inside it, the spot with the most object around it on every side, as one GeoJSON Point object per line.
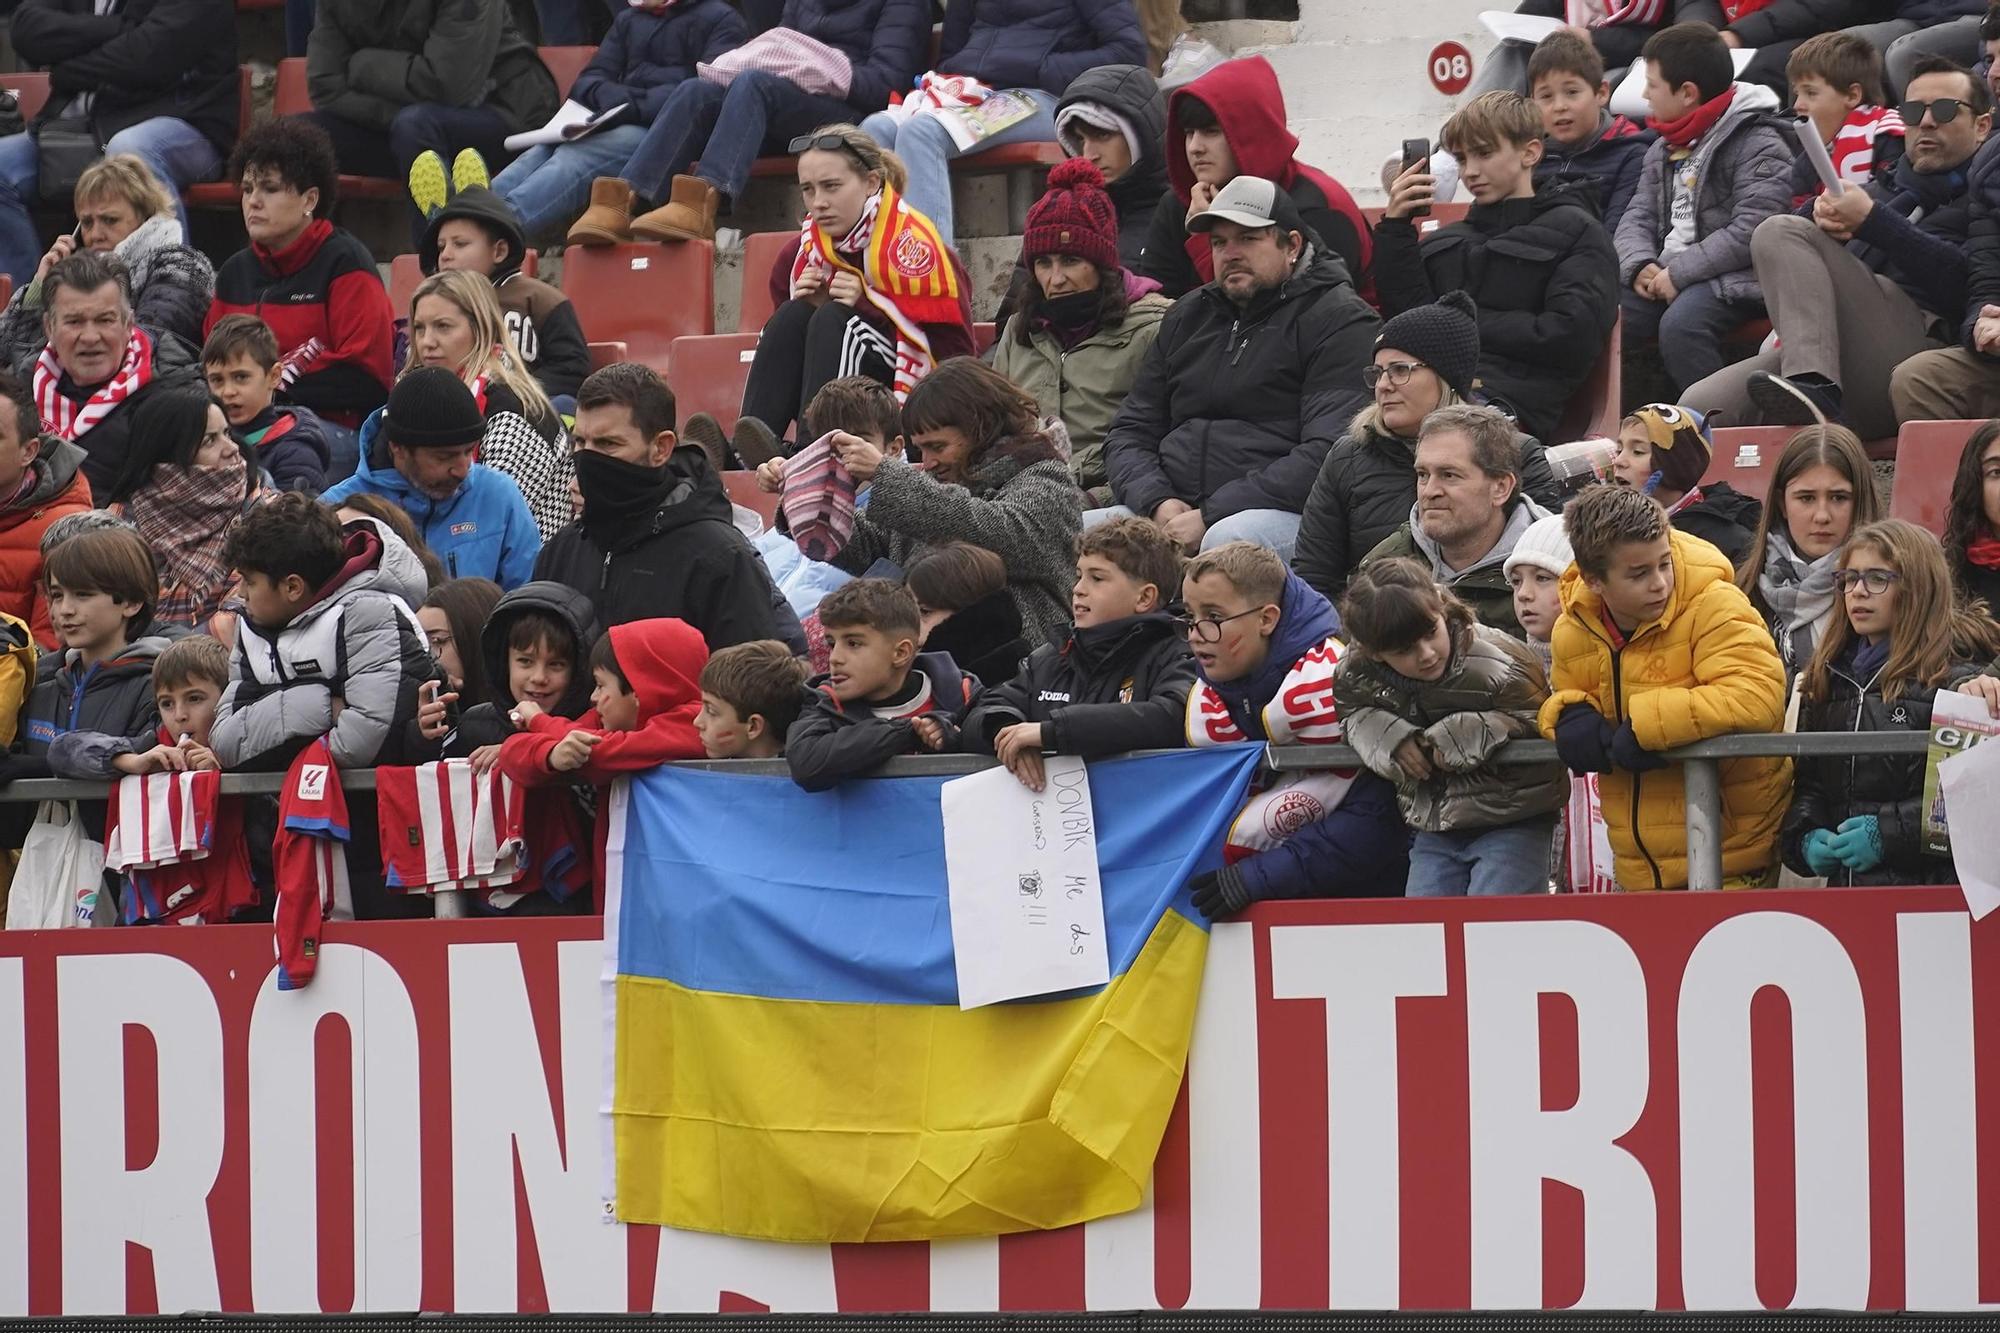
{"type": "Point", "coordinates": [789, 1061]}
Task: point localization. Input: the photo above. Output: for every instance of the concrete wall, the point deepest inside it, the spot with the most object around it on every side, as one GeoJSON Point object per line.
{"type": "Point", "coordinates": [1354, 75]}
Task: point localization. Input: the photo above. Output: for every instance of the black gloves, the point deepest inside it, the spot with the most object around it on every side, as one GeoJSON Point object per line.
{"type": "Point", "coordinates": [1589, 743]}
{"type": "Point", "coordinates": [1628, 754]}
{"type": "Point", "coordinates": [1219, 893]}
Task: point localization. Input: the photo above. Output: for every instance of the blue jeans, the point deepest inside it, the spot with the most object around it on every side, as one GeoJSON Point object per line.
{"type": "Point", "coordinates": [1512, 858]}
{"type": "Point", "coordinates": [927, 150]}
{"type": "Point", "coordinates": [548, 187]}
{"type": "Point", "coordinates": [722, 130]}
{"type": "Point", "coordinates": [176, 152]}
{"type": "Point", "coordinates": [1690, 331]}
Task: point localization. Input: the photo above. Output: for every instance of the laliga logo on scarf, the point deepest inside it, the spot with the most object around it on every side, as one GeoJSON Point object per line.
{"type": "Point", "coordinates": [914, 255]}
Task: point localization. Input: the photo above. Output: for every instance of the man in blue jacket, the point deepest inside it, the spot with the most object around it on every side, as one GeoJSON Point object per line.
{"type": "Point", "coordinates": [1858, 282]}
{"type": "Point", "coordinates": [417, 452]}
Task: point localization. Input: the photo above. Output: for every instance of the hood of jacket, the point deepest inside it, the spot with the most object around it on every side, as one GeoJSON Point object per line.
{"type": "Point", "coordinates": [1522, 512]}
{"type": "Point", "coordinates": [570, 608]}
{"type": "Point", "coordinates": [1132, 93]}
{"type": "Point", "coordinates": [480, 205]}
{"type": "Point", "coordinates": [662, 660]}
{"type": "Point", "coordinates": [1726, 502]}
{"type": "Point", "coordinates": [55, 472]}
{"type": "Point", "coordinates": [1752, 100]}
{"type": "Point", "coordinates": [381, 476]}
{"type": "Point", "coordinates": [1305, 620]}
{"type": "Point", "coordinates": [374, 559]}
{"type": "Point", "coordinates": [1250, 107]}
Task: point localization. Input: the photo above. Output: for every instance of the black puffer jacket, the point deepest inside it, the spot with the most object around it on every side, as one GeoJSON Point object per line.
{"type": "Point", "coordinates": [1363, 492]}
{"type": "Point", "coordinates": [1130, 92]}
{"type": "Point", "coordinates": [1544, 275]}
{"type": "Point", "coordinates": [144, 58]}
{"type": "Point", "coordinates": [1828, 790]}
{"type": "Point", "coordinates": [684, 558]}
{"type": "Point", "coordinates": [368, 59]}
{"type": "Point", "coordinates": [1037, 43]}
{"type": "Point", "coordinates": [985, 639]}
{"type": "Point", "coordinates": [1228, 399]}
{"type": "Point", "coordinates": [1108, 689]}
{"type": "Point", "coordinates": [486, 723]}
{"type": "Point", "coordinates": [1724, 517]}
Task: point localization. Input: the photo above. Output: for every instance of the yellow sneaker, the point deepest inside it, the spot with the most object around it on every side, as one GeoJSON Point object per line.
{"type": "Point", "coordinates": [427, 183]}
{"type": "Point", "coordinates": [469, 169]}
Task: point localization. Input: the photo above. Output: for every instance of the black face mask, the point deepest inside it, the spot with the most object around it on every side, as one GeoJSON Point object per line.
{"type": "Point", "coordinates": [612, 486]}
{"type": "Point", "coordinates": [1071, 311]}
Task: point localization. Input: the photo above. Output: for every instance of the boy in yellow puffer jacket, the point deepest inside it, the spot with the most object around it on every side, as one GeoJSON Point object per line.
{"type": "Point", "coordinates": [1658, 648]}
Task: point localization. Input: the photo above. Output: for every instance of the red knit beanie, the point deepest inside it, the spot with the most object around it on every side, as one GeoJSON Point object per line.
{"type": "Point", "coordinates": [1074, 217]}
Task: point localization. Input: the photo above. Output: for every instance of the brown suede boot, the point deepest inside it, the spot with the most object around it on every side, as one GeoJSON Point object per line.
{"type": "Point", "coordinates": [688, 216]}
{"type": "Point", "coordinates": [608, 220]}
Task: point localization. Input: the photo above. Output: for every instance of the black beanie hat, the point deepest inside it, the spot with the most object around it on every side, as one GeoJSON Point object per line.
{"type": "Point", "coordinates": [1444, 336]}
{"type": "Point", "coordinates": [431, 408]}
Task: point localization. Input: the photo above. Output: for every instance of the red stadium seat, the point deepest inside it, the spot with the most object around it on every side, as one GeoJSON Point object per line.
{"type": "Point", "coordinates": [760, 255]}
{"type": "Point", "coordinates": [291, 98]}
{"type": "Point", "coordinates": [708, 374]}
{"type": "Point", "coordinates": [743, 490]}
{"type": "Point", "coordinates": [565, 63]}
{"type": "Point", "coordinates": [1746, 456]}
{"type": "Point", "coordinates": [30, 89]}
{"type": "Point", "coordinates": [645, 295]}
{"type": "Point", "coordinates": [1593, 409]}
{"type": "Point", "coordinates": [983, 336]}
{"type": "Point", "coordinates": [607, 354]}
{"type": "Point", "coordinates": [1926, 461]}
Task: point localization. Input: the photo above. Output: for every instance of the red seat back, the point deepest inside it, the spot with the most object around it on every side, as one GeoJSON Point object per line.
{"type": "Point", "coordinates": [743, 490]}
{"type": "Point", "coordinates": [1746, 456]}
{"type": "Point", "coordinates": [607, 354]}
{"type": "Point", "coordinates": [1593, 409]}
{"type": "Point", "coordinates": [289, 97]}
{"type": "Point", "coordinates": [30, 89]}
{"type": "Point", "coordinates": [760, 254]}
{"type": "Point", "coordinates": [708, 374]}
{"type": "Point", "coordinates": [1926, 461]}
{"type": "Point", "coordinates": [643, 295]}
{"type": "Point", "coordinates": [565, 63]}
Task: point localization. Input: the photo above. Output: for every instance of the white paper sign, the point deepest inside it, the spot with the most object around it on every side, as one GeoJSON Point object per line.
{"type": "Point", "coordinates": [1971, 784]}
{"type": "Point", "coordinates": [1027, 909]}
{"type": "Point", "coordinates": [1509, 26]}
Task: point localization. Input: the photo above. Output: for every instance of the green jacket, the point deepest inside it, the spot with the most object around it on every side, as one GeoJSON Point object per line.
{"type": "Point", "coordinates": [1085, 385]}
{"type": "Point", "coordinates": [368, 59]}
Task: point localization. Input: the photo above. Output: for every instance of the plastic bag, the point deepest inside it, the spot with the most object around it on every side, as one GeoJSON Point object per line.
{"type": "Point", "coordinates": [60, 880]}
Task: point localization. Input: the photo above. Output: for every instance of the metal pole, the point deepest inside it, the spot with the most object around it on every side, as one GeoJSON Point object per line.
{"type": "Point", "coordinates": [449, 905]}
{"type": "Point", "coordinates": [1702, 788]}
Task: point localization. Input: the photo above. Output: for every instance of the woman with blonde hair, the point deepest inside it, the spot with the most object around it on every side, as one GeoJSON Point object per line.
{"type": "Point", "coordinates": [455, 323]}
{"type": "Point", "coordinates": [122, 209]}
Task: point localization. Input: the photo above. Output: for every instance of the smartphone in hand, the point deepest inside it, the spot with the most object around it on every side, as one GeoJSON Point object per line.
{"type": "Point", "coordinates": [1417, 151]}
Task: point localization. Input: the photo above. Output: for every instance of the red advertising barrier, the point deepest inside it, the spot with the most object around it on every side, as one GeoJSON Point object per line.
{"type": "Point", "coordinates": [1676, 1101]}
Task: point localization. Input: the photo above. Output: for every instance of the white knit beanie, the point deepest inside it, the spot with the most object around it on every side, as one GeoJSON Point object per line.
{"type": "Point", "coordinates": [1544, 545]}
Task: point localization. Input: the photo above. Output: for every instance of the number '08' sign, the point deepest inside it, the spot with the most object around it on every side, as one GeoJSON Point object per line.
{"type": "Point", "coordinates": [1450, 66]}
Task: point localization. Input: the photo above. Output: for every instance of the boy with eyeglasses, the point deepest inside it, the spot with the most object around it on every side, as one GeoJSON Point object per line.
{"type": "Point", "coordinates": [1264, 645]}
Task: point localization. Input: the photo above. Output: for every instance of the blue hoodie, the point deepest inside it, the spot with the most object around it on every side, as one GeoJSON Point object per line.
{"type": "Point", "coordinates": [482, 530]}
{"type": "Point", "coordinates": [1360, 847]}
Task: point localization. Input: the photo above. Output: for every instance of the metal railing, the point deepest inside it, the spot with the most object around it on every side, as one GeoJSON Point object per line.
{"type": "Point", "coordinates": [1700, 770]}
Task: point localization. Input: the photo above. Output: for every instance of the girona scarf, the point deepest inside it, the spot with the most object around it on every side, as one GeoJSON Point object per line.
{"type": "Point", "coordinates": [184, 513]}
{"type": "Point", "coordinates": [905, 268]}
{"type": "Point", "coordinates": [1683, 133]}
{"type": "Point", "coordinates": [62, 416]}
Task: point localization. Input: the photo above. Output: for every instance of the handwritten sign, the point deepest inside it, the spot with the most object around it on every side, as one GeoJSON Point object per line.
{"type": "Point", "coordinates": [1027, 909]}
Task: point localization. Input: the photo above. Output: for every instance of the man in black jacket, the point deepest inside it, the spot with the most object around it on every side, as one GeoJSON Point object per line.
{"type": "Point", "coordinates": [1247, 371]}
{"type": "Point", "coordinates": [1859, 282]}
{"type": "Point", "coordinates": [655, 538]}
{"type": "Point", "coordinates": [155, 78]}
{"type": "Point", "coordinates": [1537, 262]}
{"type": "Point", "coordinates": [392, 79]}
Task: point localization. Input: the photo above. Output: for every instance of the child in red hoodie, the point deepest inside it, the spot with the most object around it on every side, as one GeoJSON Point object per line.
{"type": "Point", "coordinates": [648, 691]}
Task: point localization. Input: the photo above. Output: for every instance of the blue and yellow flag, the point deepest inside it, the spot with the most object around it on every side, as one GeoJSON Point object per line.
{"type": "Point", "coordinates": [790, 1061]}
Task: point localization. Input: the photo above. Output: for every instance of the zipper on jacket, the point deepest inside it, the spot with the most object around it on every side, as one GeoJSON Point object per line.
{"type": "Point", "coordinates": [1618, 714]}
{"type": "Point", "coordinates": [1854, 729]}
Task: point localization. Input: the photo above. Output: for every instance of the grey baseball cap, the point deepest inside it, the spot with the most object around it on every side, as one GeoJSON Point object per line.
{"type": "Point", "coordinates": [1250, 201]}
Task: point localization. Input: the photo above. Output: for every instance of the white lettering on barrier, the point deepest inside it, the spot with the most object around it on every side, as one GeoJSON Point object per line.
{"type": "Point", "coordinates": [1225, 1167]}
{"type": "Point", "coordinates": [696, 1268]}
{"type": "Point", "coordinates": [1360, 972]}
{"type": "Point", "coordinates": [163, 1204]}
{"type": "Point", "coordinates": [1737, 958]}
{"type": "Point", "coordinates": [501, 1113]}
{"type": "Point", "coordinates": [13, 1139]}
{"type": "Point", "coordinates": [1940, 1129]}
{"type": "Point", "coordinates": [965, 1274]}
{"type": "Point", "coordinates": [359, 987]}
{"type": "Point", "coordinates": [1509, 965]}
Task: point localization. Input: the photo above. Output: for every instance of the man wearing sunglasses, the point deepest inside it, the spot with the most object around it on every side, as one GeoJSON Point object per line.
{"type": "Point", "coordinates": [1860, 281]}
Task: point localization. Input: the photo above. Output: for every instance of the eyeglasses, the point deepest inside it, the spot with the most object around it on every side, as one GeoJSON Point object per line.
{"type": "Point", "coordinates": [1943, 111]}
{"type": "Point", "coordinates": [1877, 581]}
{"type": "Point", "coordinates": [1209, 630]}
{"type": "Point", "coordinates": [1396, 372]}
{"type": "Point", "coordinates": [825, 143]}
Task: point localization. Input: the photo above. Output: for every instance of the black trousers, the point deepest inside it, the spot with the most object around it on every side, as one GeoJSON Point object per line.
{"type": "Point", "coordinates": [803, 347]}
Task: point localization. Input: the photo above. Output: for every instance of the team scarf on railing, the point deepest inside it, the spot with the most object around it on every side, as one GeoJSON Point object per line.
{"type": "Point", "coordinates": [905, 268]}
{"type": "Point", "coordinates": [63, 417]}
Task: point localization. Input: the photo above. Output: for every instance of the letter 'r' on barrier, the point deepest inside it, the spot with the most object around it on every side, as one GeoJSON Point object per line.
{"type": "Point", "coordinates": [1738, 957]}
{"type": "Point", "coordinates": [1360, 972]}
{"type": "Point", "coordinates": [1516, 1145]}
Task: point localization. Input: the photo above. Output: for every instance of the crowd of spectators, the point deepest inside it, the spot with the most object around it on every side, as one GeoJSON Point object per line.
{"type": "Point", "coordinates": [1242, 463]}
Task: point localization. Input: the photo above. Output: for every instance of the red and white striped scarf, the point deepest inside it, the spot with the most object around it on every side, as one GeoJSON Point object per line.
{"type": "Point", "coordinates": [60, 414]}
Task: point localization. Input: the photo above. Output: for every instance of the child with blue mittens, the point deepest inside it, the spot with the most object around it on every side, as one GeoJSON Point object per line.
{"type": "Point", "coordinates": [1900, 638]}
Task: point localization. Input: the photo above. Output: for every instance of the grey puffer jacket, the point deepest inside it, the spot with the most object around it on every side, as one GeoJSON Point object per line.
{"type": "Point", "coordinates": [172, 286]}
{"type": "Point", "coordinates": [359, 642]}
{"type": "Point", "coordinates": [1018, 502]}
{"type": "Point", "coordinates": [1742, 173]}
{"type": "Point", "coordinates": [1489, 694]}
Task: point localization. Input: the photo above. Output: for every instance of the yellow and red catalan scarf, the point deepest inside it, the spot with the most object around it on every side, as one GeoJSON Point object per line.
{"type": "Point", "coordinates": [905, 267]}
